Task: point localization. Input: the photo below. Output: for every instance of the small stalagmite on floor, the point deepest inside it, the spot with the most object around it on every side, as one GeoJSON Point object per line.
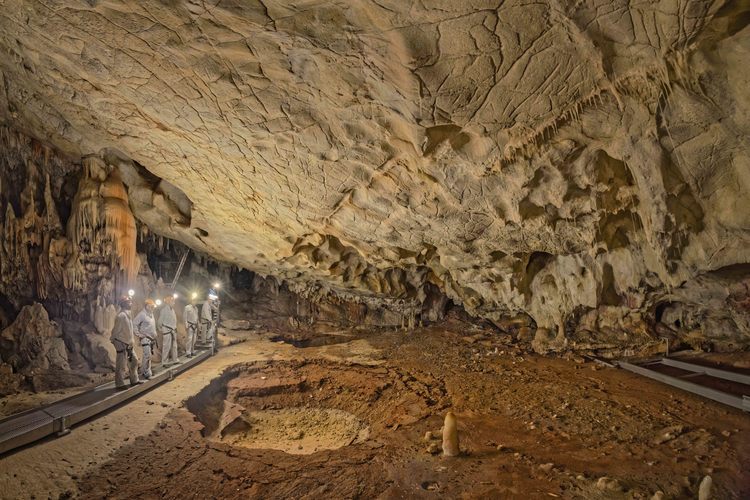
{"type": "Point", "coordinates": [704, 490]}
{"type": "Point", "coordinates": [450, 436]}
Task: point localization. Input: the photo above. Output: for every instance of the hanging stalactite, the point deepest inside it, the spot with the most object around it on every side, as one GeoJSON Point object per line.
{"type": "Point", "coordinates": [101, 223]}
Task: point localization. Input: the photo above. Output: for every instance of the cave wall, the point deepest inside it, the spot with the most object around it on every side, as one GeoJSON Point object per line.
{"type": "Point", "coordinates": [270, 302]}
{"type": "Point", "coordinates": [36, 187]}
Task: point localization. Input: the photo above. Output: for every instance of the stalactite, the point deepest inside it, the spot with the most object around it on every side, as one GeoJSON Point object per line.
{"type": "Point", "coordinates": [101, 222]}
{"type": "Point", "coordinates": [9, 234]}
{"type": "Point", "coordinates": [5, 264]}
{"type": "Point", "coordinates": [51, 218]}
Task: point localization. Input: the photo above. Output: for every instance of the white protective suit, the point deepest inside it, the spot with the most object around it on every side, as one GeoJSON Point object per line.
{"type": "Point", "coordinates": [191, 327]}
{"type": "Point", "coordinates": [168, 328]}
{"type": "Point", "coordinates": [207, 323]}
{"type": "Point", "coordinates": [123, 340]}
{"type": "Point", "coordinates": [144, 327]}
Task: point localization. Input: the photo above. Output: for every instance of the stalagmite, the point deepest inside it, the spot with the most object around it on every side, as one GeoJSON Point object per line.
{"type": "Point", "coordinates": [450, 436]}
{"type": "Point", "coordinates": [705, 489]}
{"type": "Point", "coordinates": [100, 318]}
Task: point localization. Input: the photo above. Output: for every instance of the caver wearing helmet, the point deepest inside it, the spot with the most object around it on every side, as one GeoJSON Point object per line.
{"type": "Point", "coordinates": [190, 315]}
{"type": "Point", "coordinates": [208, 325]}
{"type": "Point", "coordinates": [168, 328]}
{"type": "Point", "coordinates": [123, 340]}
{"type": "Point", "coordinates": [144, 327]}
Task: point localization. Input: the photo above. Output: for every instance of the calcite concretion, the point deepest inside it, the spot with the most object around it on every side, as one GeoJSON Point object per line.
{"type": "Point", "coordinates": [450, 436]}
{"type": "Point", "coordinates": [547, 158]}
{"type": "Point", "coordinates": [69, 262]}
{"type": "Point", "coordinates": [101, 222]}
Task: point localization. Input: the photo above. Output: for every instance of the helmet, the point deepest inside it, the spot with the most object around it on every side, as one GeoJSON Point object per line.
{"type": "Point", "coordinates": [125, 301]}
{"type": "Point", "coordinates": [149, 302]}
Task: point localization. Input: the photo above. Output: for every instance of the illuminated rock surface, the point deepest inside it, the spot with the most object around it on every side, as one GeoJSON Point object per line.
{"type": "Point", "coordinates": [574, 162]}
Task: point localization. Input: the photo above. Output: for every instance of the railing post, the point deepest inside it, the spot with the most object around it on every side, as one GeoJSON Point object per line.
{"type": "Point", "coordinates": [62, 426]}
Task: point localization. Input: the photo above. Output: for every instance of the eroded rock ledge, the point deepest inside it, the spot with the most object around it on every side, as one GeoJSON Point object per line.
{"type": "Point", "coordinates": [582, 165]}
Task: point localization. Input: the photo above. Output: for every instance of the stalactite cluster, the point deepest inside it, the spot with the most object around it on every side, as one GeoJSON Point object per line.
{"type": "Point", "coordinates": [72, 264]}
{"type": "Point", "coordinates": [101, 226]}
{"type": "Point", "coordinates": [34, 248]}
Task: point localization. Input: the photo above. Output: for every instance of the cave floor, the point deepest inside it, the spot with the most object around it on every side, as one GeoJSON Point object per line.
{"type": "Point", "coordinates": [350, 418]}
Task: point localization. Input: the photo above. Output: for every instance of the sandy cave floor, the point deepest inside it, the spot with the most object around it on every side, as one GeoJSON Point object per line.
{"type": "Point", "coordinates": [266, 419]}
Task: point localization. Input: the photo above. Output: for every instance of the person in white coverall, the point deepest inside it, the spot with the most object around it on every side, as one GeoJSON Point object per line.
{"type": "Point", "coordinates": [123, 340]}
{"type": "Point", "coordinates": [215, 321]}
{"type": "Point", "coordinates": [144, 327]}
{"type": "Point", "coordinates": [191, 327]}
{"type": "Point", "coordinates": [207, 321]}
{"type": "Point", "coordinates": [168, 328]}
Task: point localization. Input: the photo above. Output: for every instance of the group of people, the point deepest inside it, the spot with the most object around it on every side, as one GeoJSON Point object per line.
{"type": "Point", "coordinates": [201, 321]}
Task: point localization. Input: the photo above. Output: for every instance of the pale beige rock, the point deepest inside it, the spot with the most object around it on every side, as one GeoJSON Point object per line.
{"type": "Point", "coordinates": [433, 448]}
{"type": "Point", "coordinates": [705, 489]}
{"type": "Point", "coordinates": [546, 468]}
{"type": "Point", "coordinates": [33, 344]}
{"type": "Point", "coordinates": [450, 436]}
{"type": "Point", "coordinates": [99, 351]}
{"type": "Point", "coordinates": [608, 484]}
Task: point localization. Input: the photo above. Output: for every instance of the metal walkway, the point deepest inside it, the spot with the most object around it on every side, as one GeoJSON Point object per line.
{"type": "Point", "coordinates": [728, 387]}
{"type": "Point", "coordinates": [58, 417]}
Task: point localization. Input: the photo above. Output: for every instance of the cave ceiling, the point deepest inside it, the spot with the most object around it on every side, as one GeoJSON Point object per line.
{"type": "Point", "coordinates": [521, 156]}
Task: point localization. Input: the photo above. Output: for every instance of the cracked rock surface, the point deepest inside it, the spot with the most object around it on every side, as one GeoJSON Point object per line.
{"type": "Point", "coordinates": [549, 158]}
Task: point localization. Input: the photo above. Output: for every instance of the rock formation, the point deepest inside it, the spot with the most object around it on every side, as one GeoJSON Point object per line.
{"type": "Point", "coordinates": [34, 248]}
{"type": "Point", "coordinates": [704, 490]}
{"type": "Point", "coordinates": [33, 345]}
{"type": "Point", "coordinates": [71, 263]}
{"type": "Point", "coordinates": [577, 168]}
{"type": "Point", "coordinates": [101, 225]}
{"type": "Point", "coordinates": [450, 436]}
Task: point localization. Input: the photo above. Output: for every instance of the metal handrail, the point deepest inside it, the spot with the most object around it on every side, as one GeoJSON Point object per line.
{"type": "Point", "coordinates": [740, 402]}
{"type": "Point", "coordinates": [179, 269]}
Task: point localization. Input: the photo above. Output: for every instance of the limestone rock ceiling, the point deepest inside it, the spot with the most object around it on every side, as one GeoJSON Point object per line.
{"type": "Point", "coordinates": [522, 156]}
